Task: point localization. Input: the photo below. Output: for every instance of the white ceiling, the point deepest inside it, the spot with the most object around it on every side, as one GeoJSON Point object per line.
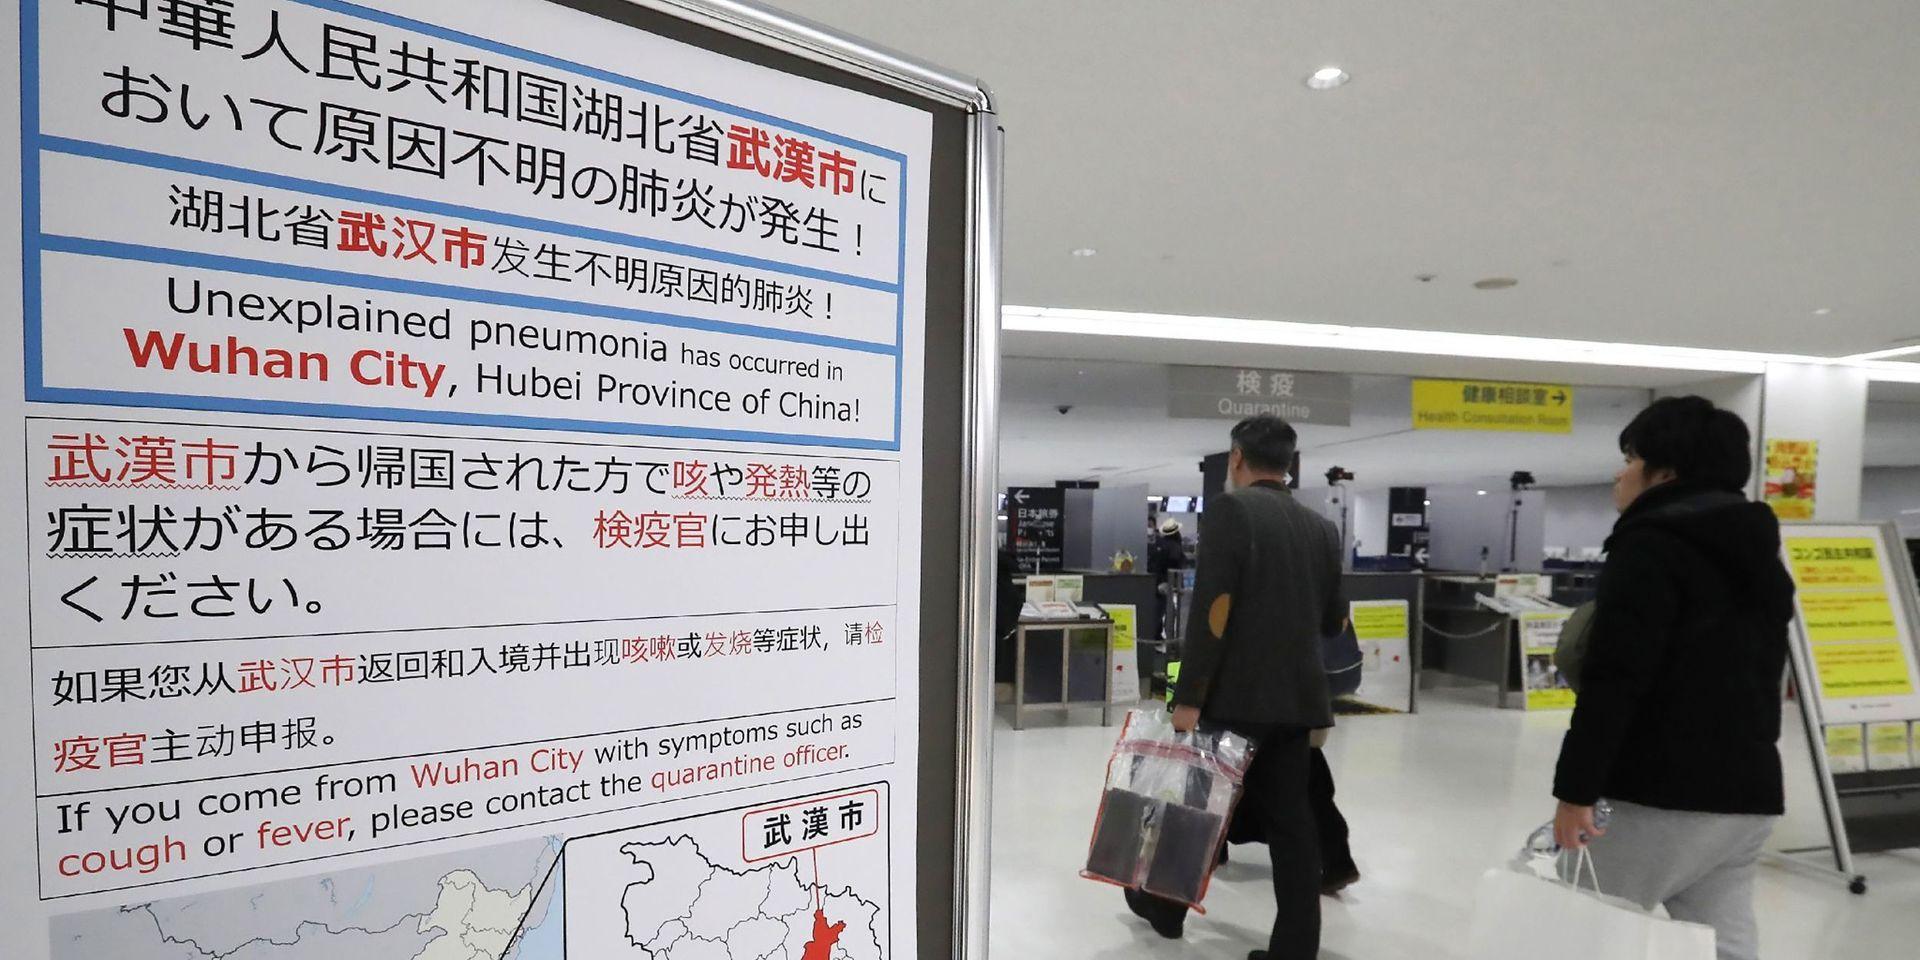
{"type": "Point", "coordinates": [1117, 431]}
{"type": "Point", "coordinates": [1675, 173]}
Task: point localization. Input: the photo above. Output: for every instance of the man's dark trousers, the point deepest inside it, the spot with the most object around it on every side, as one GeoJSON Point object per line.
{"type": "Point", "coordinates": [1277, 793]}
{"type": "Point", "coordinates": [1278, 796]}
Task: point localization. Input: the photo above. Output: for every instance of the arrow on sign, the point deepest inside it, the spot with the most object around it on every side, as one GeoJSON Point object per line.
{"type": "Point", "coordinates": [1020, 497]}
{"type": "Point", "coordinates": [67, 598]}
{"type": "Point", "coordinates": [1560, 398]}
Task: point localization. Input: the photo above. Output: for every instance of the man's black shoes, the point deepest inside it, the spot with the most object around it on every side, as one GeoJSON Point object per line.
{"type": "Point", "coordinates": [1161, 914]}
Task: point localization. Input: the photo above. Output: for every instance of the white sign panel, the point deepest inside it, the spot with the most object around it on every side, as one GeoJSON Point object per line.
{"type": "Point", "coordinates": [471, 469]}
{"type": "Point", "coordinates": [1384, 631]}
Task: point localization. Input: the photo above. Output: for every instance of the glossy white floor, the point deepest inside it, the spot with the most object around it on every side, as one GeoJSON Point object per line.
{"type": "Point", "coordinates": [1434, 800]}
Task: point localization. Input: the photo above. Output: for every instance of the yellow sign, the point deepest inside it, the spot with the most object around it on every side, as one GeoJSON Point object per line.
{"type": "Point", "coordinates": [1792, 470]}
{"type": "Point", "coordinates": [1889, 746]}
{"type": "Point", "coordinates": [1847, 610]}
{"type": "Point", "coordinates": [1871, 669]}
{"type": "Point", "coordinates": [1126, 629]}
{"type": "Point", "coordinates": [1833, 617]}
{"type": "Point", "coordinates": [1379, 620]}
{"type": "Point", "coordinates": [1846, 748]}
{"type": "Point", "coordinates": [1495, 406]}
{"type": "Point", "coordinates": [1539, 636]}
{"type": "Point", "coordinates": [1835, 563]}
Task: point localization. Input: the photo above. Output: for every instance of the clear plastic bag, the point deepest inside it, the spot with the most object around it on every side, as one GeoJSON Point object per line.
{"type": "Point", "coordinates": [1164, 813]}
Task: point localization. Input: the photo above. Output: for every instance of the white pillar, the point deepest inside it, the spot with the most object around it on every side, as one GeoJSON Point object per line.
{"type": "Point", "coordinates": [1827, 404]}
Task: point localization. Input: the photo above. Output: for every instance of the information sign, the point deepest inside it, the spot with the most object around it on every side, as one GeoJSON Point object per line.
{"type": "Point", "coordinates": [1546, 687]}
{"type": "Point", "coordinates": [1236, 393]}
{"type": "Point", "coordinates": [1383, 630]}
{"type": "Point", "coordinates": [1492, 406]}
{"type": "Point", "coordinates": [1854, 626]}
{"type": "Point", "coordinates": [474, 453]}
{"type": "Point", "coordinates": [1036, 526]}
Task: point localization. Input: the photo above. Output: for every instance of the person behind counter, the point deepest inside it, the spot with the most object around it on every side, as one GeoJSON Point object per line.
{"type": "Point", "coordinates": [1168, 551]}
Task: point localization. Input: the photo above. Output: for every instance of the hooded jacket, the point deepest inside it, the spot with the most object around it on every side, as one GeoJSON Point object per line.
{"type": "Point", "coordinates": [1679, 706]}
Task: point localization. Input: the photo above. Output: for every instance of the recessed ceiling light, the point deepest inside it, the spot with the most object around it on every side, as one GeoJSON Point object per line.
{"type": "Point", "coordinates": [1326, 78]}
{"type": "Point", "coordinates": [1823, 311]}
{"type": "Point", "coordinates": [1084, 252]}
{"type": "Point", "coordinates": [1480, 493]}
{"type": "Point", "coordinates": [1495, 283]}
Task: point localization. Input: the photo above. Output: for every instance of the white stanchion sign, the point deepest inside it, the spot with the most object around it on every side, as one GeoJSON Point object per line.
{"type": "Point", "coordinates": [467, 457]}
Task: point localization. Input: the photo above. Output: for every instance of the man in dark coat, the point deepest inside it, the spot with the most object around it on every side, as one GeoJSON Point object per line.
{"type": "Point", "coordinates": [1266, 589]}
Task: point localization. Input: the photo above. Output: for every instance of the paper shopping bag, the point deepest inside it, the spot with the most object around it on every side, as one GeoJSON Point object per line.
{"type": "Point", "coordinates": [1519, 915]}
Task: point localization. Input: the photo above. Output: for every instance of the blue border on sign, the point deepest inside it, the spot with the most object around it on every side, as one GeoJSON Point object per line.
{"type": "Point", "coordinates": [221, 171]}
{"type": "Point", "coordinates": [113, 250]}
{"type": "Point", "coordinates": [34, 243]}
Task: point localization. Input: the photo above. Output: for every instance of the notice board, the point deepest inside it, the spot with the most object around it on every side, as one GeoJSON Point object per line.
{"type": "Point", "coordinates": [492, 478]}
{"type": "Point", "coordinates": [1858, 667]}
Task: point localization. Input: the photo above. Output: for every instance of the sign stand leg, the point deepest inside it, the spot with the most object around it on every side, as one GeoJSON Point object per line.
{"type": "Point", "coordinates": [1822, 773]}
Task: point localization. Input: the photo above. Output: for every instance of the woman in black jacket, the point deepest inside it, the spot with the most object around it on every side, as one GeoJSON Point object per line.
{"type": "Point", "coordinates": [1680, 704]}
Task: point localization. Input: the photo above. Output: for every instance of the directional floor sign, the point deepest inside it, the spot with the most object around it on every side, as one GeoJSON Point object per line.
{"type": "Point", "coordinates": [1492, 405]}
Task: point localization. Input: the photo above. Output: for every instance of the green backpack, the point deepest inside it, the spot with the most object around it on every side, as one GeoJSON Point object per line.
{"type": "Point", "coordinates": [1572, 648]}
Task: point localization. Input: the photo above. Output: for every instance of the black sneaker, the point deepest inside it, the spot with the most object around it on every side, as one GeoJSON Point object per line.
{"type": "Point", "coordinates": [1160, 914]}
{"type": "Point", "coordinates": [1332, 883]}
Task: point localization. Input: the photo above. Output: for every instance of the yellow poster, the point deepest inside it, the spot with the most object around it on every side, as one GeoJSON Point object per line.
{"type": "Point", "coordinates": [1835, 617]}
{"type": "Point", "coordinates": [1492, 405]}
{"type": "Point", "coordinates": [1835, 563]}
{"type": "Point", "coordinates": [1846, 748]}
{"type": "Point", "coordinates": [1862, 669]}
{"type": "Point", "coordinates": [1539, 636]}
{"type": "Point", "coordinates": [1847, 610]}
{"type": "Point", "coordinates": [1125, 656]}
{"type": "Point", "coordinates": [1889, 746]}
{"type": "Point", "coordinates": [1379, 620]}
{"type": "Point", "coordinates": [1125, 624]}
{"type": "Point", "coordinates": [1382, 629]}
{"type": "Point", "coordinates": [1793, 468]}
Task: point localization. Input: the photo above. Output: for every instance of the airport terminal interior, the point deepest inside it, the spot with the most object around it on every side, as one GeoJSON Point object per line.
{"type": "Point", "coordinates": [554, 565]}
{"type": "Point", "coordinates": [1644, 178]}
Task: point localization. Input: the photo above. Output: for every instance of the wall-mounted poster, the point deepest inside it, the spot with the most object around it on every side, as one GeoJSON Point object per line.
{"type": "Point", "coordinates": [1793, 467]}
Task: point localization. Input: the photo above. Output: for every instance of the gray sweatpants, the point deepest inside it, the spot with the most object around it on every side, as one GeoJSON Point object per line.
{"type": "Point", "coordinates": [1700, 866]}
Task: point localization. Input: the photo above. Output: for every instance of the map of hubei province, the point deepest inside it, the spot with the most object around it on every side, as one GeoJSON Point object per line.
{"type": "Point", "coordinates": [685, 907]}
{"type": "Point", "coordinates": [799, 879]}
{"type": "Point", "coordinates": [809, 882]}
{"type": "Point", "coordinates": [486, 902]}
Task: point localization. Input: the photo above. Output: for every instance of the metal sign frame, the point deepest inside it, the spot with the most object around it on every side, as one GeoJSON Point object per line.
{"type": "Point", "coordinates": [1812, 713]}
{"type": "Point", "coordinates": [974, 724]}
